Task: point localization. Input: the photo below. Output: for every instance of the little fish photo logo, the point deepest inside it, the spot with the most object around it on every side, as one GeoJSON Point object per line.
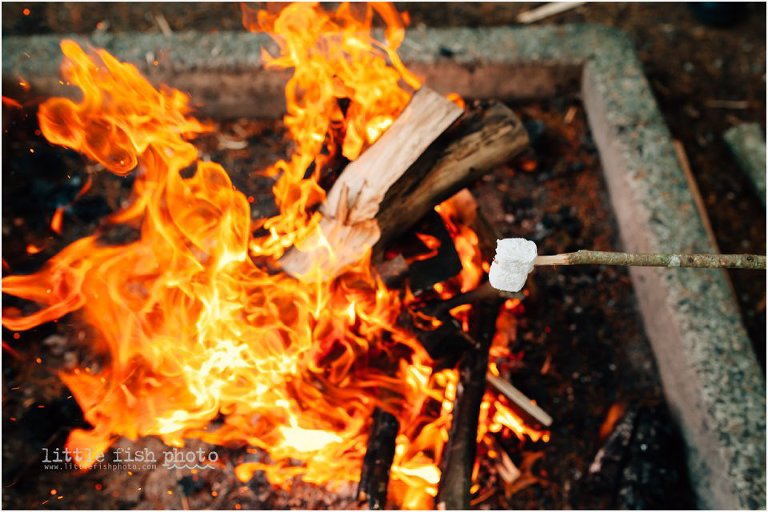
{"type": "Point", "coordinates": [122, 459]}
{"type": "Point", "coordinates": [189, 459]}
{"type": "Point", "coordinates": [127, 459]}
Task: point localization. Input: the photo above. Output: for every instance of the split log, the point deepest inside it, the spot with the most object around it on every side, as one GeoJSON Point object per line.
{"type": "Point", "coordinates": [374, 477]}
{"type": "Point", "coordinates": [348, 227]}
{"type": "Point", "coordinates": [402, 176]}
{"type": "Point", "coordinates": [486, 136]}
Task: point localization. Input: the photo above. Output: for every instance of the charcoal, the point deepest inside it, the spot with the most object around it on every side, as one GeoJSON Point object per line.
{"type": "Point", "coordinates": [641, 464]}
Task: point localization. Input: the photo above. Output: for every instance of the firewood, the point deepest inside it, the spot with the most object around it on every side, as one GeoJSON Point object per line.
{"type": "Point", "coordinates": [531, 412]}
{"type": "Point", "coordinates": [486, 136]}
{"type": "Point", "coordinates": [429, 267]}
{"type": "Point", "coordinates": [348, 226]}
{"type": "Point", "coordinates": [377, 198]}
{"type": "Point", "coordinates": [374, 477]}
{"type": "Point", "coordinates": [458, 457]}
{"type": "Point", "coordinates": [483, 293]}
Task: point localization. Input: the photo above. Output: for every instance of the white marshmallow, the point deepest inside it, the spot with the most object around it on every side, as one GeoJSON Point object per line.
{"type": "Point", "coordinates": [512, 264]}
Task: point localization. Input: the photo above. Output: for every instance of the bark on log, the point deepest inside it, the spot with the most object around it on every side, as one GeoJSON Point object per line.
{"type": "Point", "coordinates": [374, 478]}
{"type": "Point", "coordinates": [486, 136]}
{"type": "Point", "coordinates": [379, 197]}
{"type": "Point", "coordinates": [348, 226]}
{"type": "Point", "coordinates": [458, 457]}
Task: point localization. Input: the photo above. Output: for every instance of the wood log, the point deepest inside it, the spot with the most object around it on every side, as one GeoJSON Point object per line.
{"type": "Point", "coordinates": [458, 457]}
{"type": "Point", "coordinates": [394, 184]}
{"type": "Point", "coordinates": [486, 136]}
{"type": "Point", "coordinates": [429, 266]}
{"type": "Point", "coordinates": [380, 452]}
{"type": "Point", "coordinates": [348, 227]}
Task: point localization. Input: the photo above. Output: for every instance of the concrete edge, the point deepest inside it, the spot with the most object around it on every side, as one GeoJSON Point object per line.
{"type": "Point", "coordinates": [712, 381]}
{"type": "Point", "coordinates": [709, 372]}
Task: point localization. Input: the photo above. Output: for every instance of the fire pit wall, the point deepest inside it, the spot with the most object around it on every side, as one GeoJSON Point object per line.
{"type": "Point", "coordinates": [711, 378]}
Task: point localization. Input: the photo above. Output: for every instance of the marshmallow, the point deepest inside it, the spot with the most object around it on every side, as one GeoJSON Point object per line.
{"type": "Point", "coordinates": [512, 264]}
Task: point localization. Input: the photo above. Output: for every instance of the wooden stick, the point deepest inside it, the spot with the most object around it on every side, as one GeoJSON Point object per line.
{"type": "Point", "coordinates": [458, 458]}
{"type": "Point", "coordinates": [519, 399]}
{"type": "Point", "coordinates": [685, 164]}
{"type": "Point", "coordinates": [545, 11]}
{"type": "Point", "coordinates": [746, 261]}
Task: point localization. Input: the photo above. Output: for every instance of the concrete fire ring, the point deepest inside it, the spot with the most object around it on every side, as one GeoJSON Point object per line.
{"type": "Point", "coordinates": [711, 378]}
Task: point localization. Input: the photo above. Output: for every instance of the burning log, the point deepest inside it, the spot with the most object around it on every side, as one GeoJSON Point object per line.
{"type": "Point", "coordinates": [402, 176]}
{"type": "Point", "coordinates": [439, 262]}
{"type": "Point", "coordinates": [486, 136]}
{"type": "Point", "coordinates": [374, 478]}
{"type": "Point", "coordinates": [348, 225]}
{"type": "Point", "coordinates": [458, 458]}
{"type": "Point", "coordinates": [482, 293]}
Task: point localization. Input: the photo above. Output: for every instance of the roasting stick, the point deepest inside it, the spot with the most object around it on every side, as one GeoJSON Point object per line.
{"type": "Point", "coordinates": [516, 257]}
{"type": "Point", "coordinates": [746, 261]}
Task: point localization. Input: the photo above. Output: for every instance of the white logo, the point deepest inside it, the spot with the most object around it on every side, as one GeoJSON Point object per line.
{"type": "Point", "coordinates": [127, 459]}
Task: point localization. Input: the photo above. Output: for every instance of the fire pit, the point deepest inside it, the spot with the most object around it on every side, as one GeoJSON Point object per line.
{"type": "Point", "coordinates": [513, 65]}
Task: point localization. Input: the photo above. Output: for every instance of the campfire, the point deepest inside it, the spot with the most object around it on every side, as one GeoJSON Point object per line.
{"type": "Point", "coordinates": [351, 336]}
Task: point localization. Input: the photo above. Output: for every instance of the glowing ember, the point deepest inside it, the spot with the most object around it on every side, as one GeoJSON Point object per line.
{"type": "Point", "coordinates": [203, 339]}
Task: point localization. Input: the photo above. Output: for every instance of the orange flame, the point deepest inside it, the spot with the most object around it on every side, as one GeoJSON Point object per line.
{"type": "Point", "coordinates": [10, 102]}
{"type": "Point", "coordinates": [57, 220]}
{"type": "Point", "coordinates": [335, 58]}
{"type": "Point", "coordinates": [201, 339]}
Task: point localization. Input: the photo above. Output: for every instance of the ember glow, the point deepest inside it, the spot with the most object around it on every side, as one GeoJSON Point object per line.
{"type": "Point", "coordinates": [201, 337]}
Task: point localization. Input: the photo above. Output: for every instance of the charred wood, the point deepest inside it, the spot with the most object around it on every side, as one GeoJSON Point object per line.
{"type": "Point", "coordinates": [433, 261]}
{"type": "Point", "coordinates": [374, 478]}
{"type": "Point", "coordinates": [458, 458]}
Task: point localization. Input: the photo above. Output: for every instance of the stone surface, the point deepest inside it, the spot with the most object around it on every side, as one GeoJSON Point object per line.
{"type": "Point", "coordinates": [747, 143]}
{"type": "Point", "coordinates": [712, 381]}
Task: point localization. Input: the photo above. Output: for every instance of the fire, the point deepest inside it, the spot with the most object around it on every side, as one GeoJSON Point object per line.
{"type": "Point", "coordinates": [346, 89]}
{"type": "Point", "coordinates": [200, 338]}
